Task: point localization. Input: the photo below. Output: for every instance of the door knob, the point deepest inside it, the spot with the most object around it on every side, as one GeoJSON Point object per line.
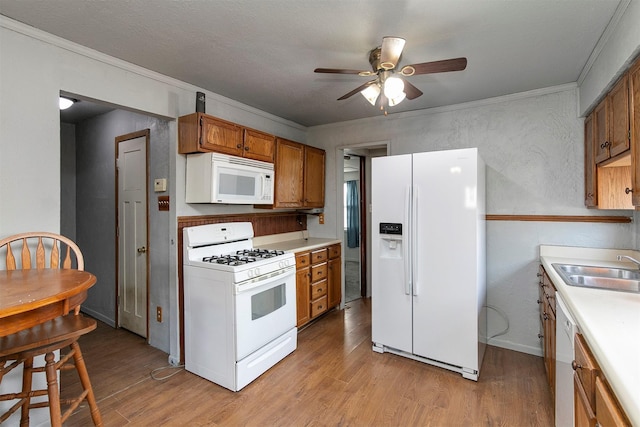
{"type": "Point", "coordinates": [142, 250]}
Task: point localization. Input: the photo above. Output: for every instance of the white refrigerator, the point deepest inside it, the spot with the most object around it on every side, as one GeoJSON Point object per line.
{"type": "Point", "coordinates": [428, 258]}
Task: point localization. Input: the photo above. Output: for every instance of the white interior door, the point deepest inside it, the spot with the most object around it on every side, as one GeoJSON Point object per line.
{"type": "Point", "coordinates": [132, 232]}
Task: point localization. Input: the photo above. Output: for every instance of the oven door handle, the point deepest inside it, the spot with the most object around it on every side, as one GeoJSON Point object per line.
{"type": "Point", "coordinates": [259, 281]}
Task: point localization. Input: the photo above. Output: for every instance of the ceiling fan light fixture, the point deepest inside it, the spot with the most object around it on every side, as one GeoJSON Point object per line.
{"type": "Point", "coordinates": [371, 93]}
{"type": "Point", "coordinates": [65, 102]}
{"type": "Point", "coordinates": [393, 87]}
{"type": "Point", "coordinates": [397, 100]}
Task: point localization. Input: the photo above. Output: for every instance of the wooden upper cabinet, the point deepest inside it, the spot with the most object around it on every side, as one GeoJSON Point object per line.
{"type": "Point", "coordinates": [634, 110]}
{"type": "Point", "coordinates": [259, 145]}
{"type": "Point", "coordinates": [299, 175]}
{"type": "Point", "coordinates": [612, 122]}
{"type": "Point", "coordinates": [590, 176]}
{"type": "Point", "coordinates": [218, 135]}
{"type": "Point", "coordinates": [619, 117]}
{"type": "Point", "coordinates": [601, 130]}
{"type": "Point", "coordinates": [314, 177]}
{"type": "Point", "coordinates": [199, 133]}
{"type": "Point", "coordinates": [289, 189]}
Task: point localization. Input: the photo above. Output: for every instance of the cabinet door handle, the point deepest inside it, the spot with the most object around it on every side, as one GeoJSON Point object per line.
{"type": "Point", "coordinates": [239, 146]}
{"type": "Point", "coordinates": [538, 301]}
{"type": "Point", "coordinates": [540, 336]}
{"type": "Point", "coordinates": [538, 275]}
{"type": "Point", "coordinates": [628, 190]}
{"type": "Point", "coordinates": [246, 148]}
{"type": "Point", "coordinates": [605, 144]}
{"type": "Point", "coordinates": [575, 366]}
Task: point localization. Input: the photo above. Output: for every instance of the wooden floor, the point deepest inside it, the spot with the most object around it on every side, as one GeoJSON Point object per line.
{"type": "Point", "coordinates": [332, 379]}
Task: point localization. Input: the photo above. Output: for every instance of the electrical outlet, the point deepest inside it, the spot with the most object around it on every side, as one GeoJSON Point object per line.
{"type": "Point", "coordinates": [321, 218]}
{"type": "Point", "coordinates": [159, 314]}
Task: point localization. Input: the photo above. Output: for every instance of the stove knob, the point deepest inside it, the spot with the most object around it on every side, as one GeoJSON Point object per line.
{"type": "Point", "coordinates": [255, 271]}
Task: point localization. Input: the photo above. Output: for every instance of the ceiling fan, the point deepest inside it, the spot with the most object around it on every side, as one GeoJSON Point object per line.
{"type": "Point", "coordinates": [384, 59]}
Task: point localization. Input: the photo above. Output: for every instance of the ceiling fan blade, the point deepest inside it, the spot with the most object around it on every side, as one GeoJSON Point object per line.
{"type": "Point", "coordinates": [340, 71]}
{"type": "Point", "coordinates": [455, 64]}
{"type": "Point", "coordinates": [411, 91]}
{"type": "Point", "coordinates": [390, 52]}
{"type": "Point", "coordinates": [358, 89]}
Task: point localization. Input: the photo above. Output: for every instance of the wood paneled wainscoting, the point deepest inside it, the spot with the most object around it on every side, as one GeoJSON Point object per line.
{"type": "Point", "coordinates": [332, 379]}
{"type": "Point", "coordinates": [264, 224]}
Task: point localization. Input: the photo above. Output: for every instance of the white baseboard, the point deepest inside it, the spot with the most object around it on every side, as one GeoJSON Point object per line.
{"type": "Point", "coordinates": [535, 351]}
{"type": "Point", "coordinates": [99, 316]}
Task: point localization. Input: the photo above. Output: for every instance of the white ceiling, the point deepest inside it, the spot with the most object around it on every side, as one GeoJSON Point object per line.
{"type": "Point", "coordinates": [263, 52]}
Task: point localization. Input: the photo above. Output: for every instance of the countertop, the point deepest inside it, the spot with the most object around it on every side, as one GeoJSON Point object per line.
{"type": "Point", "coordinates": [608, 320]}
{"type": "Point", "coordinates": [297, 241]}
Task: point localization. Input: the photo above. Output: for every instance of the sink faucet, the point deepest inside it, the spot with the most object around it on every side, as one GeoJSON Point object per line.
{"type": "Point", "coordinates": [622, 257]}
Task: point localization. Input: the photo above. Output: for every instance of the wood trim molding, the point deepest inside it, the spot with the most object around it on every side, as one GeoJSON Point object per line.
{"type": "Point", "coordinates": [561, 218]}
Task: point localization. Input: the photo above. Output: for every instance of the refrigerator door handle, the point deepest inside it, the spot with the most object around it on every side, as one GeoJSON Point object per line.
{"type": "Point", "coordinates": [414, 240]}
{"type": "Point", "coordinates": [407, 241]}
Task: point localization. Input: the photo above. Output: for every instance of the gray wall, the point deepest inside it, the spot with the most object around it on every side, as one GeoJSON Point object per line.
{"type": "Point", "coordinates": [533, 146]}
{"type": "Point", "coordinates": [68, 180]}
{"type": "Point", "coordinates": [95, 213]}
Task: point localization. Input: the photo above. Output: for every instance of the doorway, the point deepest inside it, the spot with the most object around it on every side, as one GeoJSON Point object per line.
{"type": "Point", "coordinates": [355, 165]}
{"type": "Point", "coordinates": [353, 203]}
{"type": "Point", "coordinates": [88, 207]}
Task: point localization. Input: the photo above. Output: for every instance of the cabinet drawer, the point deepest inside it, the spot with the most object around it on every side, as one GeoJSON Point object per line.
{"type": "Point", "coordinates": [319, 255]}
{"type": "Point", "coordinates": [303, 260]}
{"type": "Point", "coordinates": [318, 272]}
{"type": "Point", "coordinates": [318, 306]}
{"type": "Point", "coordinates": [318, 289]}
{"type": "Point", "coordinates": [334, 251]}
{"type": "Point", "coordinates": [585, 367]}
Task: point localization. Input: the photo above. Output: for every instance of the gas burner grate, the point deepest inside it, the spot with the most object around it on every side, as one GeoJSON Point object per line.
{"type": "Point", "coordinates": [228, 259]}
{"type": "Point", "coordinates": [260, 253]}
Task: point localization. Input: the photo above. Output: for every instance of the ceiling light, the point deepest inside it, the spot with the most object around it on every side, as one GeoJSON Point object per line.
{"type": "Point", "coordinates": [397, 100]}
{"type": "Point", "coordinates": [393, 87]}
{"type": "Point", "coordinates": [66, 102]}
{"type": "Point", "coordinates": [371, 93]}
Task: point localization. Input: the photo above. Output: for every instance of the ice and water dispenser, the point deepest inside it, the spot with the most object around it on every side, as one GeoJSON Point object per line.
{"type": "Point", "coordinates": [391, 240]}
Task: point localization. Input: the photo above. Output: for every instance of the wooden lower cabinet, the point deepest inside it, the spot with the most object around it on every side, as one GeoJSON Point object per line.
{"type": "Point", "coordinates": [303, 274]}
{"type": "Point", "coordinates": [547, 302]}
{"type": "Point", "coordinates": [594, 402]}
{"type": "Point", "coordinates": [318, 282]}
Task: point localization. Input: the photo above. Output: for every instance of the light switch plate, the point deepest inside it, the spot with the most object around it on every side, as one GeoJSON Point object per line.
{"type": "Point", "coordinates": [159, 185]}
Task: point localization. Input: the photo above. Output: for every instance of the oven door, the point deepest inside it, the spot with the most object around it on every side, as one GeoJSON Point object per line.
{"type": "Point", "coordinates": [265, 310]}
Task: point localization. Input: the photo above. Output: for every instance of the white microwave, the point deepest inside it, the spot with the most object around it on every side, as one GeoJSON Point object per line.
{"type": "Point", "coordinates": [219, 178]}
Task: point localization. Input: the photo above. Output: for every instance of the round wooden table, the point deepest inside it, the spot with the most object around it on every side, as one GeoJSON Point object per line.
{"type": "Point", "coordinates": [32, 297]}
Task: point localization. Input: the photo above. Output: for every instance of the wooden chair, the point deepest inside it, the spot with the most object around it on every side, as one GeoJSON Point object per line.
{"type": "Point", "coordinates": [46, 338]}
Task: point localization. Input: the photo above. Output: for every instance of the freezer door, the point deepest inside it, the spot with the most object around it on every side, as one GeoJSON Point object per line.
{"type": "Point", "coordinates": [446, 302]}
{"type": "Point", "coordinates": [391, 276]}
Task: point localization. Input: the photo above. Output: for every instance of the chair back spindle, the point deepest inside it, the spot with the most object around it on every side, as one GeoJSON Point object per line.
{"type": "Point", "coordinates": [62, 251]}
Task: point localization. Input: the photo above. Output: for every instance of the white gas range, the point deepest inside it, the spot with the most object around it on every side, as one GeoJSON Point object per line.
{"type": "Point", "coordinates": [239, 303]}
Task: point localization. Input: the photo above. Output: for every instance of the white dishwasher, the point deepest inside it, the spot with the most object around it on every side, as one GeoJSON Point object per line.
{"type": "Point", "coordinates": [565, 332]}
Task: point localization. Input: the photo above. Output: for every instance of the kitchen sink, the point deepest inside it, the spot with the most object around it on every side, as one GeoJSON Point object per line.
{"type": "Point", "coordinates": [615, 279]}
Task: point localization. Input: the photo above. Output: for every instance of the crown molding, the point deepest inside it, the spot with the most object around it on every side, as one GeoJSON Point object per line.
{"type": "Point", "coordinates": [604, 38]}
